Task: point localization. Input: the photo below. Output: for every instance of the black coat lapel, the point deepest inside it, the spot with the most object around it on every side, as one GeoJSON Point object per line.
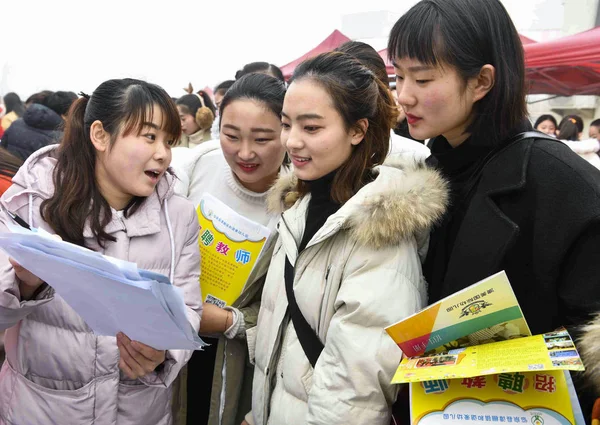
{"type": "Point", "coordinates": [486, 233]}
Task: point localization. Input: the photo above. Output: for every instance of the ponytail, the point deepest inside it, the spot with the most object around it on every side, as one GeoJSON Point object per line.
{"type": "Point", "coordinates": [568, 130]}
{"type": "Point", "coordinates": [384, 121]}
{"type": "Point", "coordinates": [75, 182]}
{"type": "Point", "coordinates": [372, 151]}
{"type": "Point", "coordinates": [9, 164]}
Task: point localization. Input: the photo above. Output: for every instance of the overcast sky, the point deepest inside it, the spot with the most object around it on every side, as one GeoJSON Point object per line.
{"type": "Point", "coordinates": [75, 45]}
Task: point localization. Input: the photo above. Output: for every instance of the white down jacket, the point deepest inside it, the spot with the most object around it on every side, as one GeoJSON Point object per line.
{"type": "Point", "coordinates": [360, 273]}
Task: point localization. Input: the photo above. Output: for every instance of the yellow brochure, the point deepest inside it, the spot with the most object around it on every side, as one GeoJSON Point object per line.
{"type": "Point", "coordinates": [538, 398]}
{"type": "Point", "coordinates": [230, 244]}
{"type": "Point", "coordinates": [552, 351]}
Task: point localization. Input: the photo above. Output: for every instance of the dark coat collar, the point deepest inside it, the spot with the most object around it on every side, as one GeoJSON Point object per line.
{"type": "Point", "coordinates": [484, 220]}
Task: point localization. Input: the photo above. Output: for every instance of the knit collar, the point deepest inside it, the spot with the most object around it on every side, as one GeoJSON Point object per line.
{"type": "Point", "coordinates": [321, 188]}
{"type": "Point", "coordinates": [199, 137]}
{"type": "Point", "coordinates": [247, 195]}
{"type": "Point", "coordinates": [455, 161]}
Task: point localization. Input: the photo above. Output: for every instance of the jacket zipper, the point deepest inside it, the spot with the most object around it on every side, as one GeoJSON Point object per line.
{"type": "Point", "coordinates": [268, 382]}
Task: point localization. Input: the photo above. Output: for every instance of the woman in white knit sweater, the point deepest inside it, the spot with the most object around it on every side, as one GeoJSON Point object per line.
{"type": "Point", "coordinates": [238, 169]}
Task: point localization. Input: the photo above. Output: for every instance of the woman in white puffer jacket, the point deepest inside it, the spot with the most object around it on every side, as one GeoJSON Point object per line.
{"type": "Point", "coordinates": [347, 258]}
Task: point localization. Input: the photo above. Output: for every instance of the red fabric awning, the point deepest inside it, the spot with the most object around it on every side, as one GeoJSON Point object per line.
{"type": "Point", "coordinates": [388, 65]}
{"type": "Point", "coordinates": [335, 39]}
{"type": "Point", "coordinates": [565, 67]}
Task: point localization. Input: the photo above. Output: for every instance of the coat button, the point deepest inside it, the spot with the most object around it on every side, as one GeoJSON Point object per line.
{"type": "Point", "coordinates": [267, 372]}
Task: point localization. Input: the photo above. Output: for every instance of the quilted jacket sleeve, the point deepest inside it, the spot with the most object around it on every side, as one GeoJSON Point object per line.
{"type": "Point", "coordinates": [12, 309]}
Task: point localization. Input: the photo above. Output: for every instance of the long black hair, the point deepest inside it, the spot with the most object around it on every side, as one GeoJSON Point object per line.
{"type": "Point", "coordinates": [466, 35]}
{"type": "Point", "coordinates": [13, 103]}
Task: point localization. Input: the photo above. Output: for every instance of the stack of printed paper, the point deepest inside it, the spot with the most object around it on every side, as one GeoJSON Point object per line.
{"type": "Point", "coordinates": [111, 295]}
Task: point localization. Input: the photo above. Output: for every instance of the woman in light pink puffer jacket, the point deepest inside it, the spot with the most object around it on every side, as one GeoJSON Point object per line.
{"type": "Point", "coordinates": [106, 187]}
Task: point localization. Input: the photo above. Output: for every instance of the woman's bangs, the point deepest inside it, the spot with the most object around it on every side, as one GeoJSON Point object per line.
{"type": "Point", "coordinates": [141, 104]}
{"type": "Point", "coordinates": [417, 37]}
{"type": "Point", "coordinates": [171, 122]}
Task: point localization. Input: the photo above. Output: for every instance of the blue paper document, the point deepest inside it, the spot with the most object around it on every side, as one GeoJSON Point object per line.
{"type": "Point", "coordinates": [111, 295]}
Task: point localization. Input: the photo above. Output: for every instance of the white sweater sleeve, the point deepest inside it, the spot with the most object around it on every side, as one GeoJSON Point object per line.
{"type": "Point", "coordinates": [583, 146]}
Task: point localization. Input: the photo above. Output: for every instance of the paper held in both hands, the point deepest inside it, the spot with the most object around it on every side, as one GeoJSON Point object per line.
{"type": "Point", "coordinates": [111, 295]}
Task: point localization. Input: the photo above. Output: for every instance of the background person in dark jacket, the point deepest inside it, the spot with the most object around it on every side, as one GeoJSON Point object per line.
{"type": "Point", "coordinates": [530, 207]}
{"type": "Point", "coordinates": [40, 126]}
{"type": "Point", "coordinates": [60, 102]}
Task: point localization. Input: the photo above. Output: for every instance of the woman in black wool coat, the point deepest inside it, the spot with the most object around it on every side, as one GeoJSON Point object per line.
{"type": "Point", "coordinates": [520, 202]}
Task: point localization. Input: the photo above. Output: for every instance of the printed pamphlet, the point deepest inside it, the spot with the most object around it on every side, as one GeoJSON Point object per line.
{"type": "Point", "coordinates": [471, 359]}
{"type": "Point", "coordinates": [230, 244]}
{"type": "Point", "coordinates": [553, 351]}
{"type": "Point", "coordinates": [485, 312]}
{"type": "Point", "coordinates": [534, 398]}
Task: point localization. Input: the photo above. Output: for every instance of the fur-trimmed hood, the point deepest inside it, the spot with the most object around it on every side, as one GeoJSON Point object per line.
{"type": "Point", "coordinates": [589, 346]}
{"type": "Point", "coordinates": [404, 200]}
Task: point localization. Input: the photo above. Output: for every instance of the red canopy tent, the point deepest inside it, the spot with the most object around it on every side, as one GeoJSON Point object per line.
{"type": "Point", "coordinates": [335, 39]}
{"type": "Point", "coordinates": [565, 67]}
{"type": "Point", "coordinates": [390, 67]}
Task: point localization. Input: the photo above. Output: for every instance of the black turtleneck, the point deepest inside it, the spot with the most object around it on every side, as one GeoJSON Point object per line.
{"type": "Point", "coordinates": [461, 166]}
{"type": "Point", "coordinates": [320, 207]}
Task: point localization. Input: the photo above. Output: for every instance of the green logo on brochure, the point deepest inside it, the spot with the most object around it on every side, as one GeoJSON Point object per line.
{"type": "Point", "coordinates": [537, 420]}
{"type": "Point", "coordinates": [474, 308]}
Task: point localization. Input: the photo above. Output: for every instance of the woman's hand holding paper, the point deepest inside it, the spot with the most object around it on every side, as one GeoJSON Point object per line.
{"type": "Point", "coordinates": [28, 282]}
{"type": "Point", "coordinates": [137, 359]}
